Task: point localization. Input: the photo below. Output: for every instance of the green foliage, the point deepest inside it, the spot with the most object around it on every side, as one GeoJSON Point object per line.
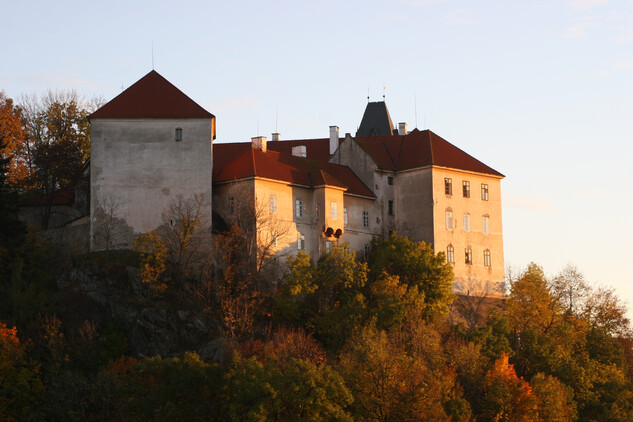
{"type": "Point", "coordinates": [327, 297]}
{"type": "Point", "coordinates": [186, 389]}
{"type": "Point", "coordinates": [416, 264]}
{"type": "Point", "coordinates": [20, 383]}
{"type": "Point", "coordinates": [553, 399]}
{"type": "Point", "coordinates": [30, 289]}
{"type": "Point", "coordinates": [296, 389]}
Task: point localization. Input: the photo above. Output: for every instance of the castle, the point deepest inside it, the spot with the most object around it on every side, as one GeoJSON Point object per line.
{"type": "Point", "coordinates": [152, 144]}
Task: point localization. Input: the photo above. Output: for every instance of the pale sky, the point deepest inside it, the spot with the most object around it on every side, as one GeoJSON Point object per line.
{"type": "Point", "coordinates": [541, 91]}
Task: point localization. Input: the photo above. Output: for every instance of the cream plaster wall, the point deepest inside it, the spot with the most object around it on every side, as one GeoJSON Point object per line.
{"type": "Point", "coordinates": [475, 277]}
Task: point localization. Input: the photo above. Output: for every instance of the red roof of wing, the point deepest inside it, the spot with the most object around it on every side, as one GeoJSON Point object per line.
{"type": "Point", "coordinates": [239, 160]}
{"type": "Point", "coordinates": [419, 149]}
{"type": "Point", "coordinates": [152, 96]}
{"type": "Point", "coordinates": [316, 149]}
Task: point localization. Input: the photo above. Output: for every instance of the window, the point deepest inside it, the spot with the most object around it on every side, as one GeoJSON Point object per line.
{"type": "Point", "coordinates": [334, 209]}
{"type": "Point", "coordinates": [466, 188]}
{"type": "Point", "coordinates": [485, 227]}
{"type": "Point", "coordinates": [450, 254]}
{"type": "Point", "coordinates": [449, 219]}
{"type": "Point", "coordinates": [328, 246]}
{"type": "Point", "coordinates": [466, 222]}
{"type": "Point", "coordinates": [448, 186]}
{"type": "Point", "coordinates": [301, 242]}
{"type": "Point", "coordinates": [366, 251]}
{"type": "Point", "coordinates": [487, 257]}
{"type": "Point", "coordinates": [344, 217]}
{"type": "Point", "coordinates": [231, 204]}
{"type": "Point", "coordinates": [178, 134]}
{"type": "Point", "coordinates": [390, 180]}
{"type": "Point", "coordinates": [484, 192]}
{"type": "Point", "coordinates": [390, 207]}
{"type": "Point", "coordinates": [317, 211]}
{"type": "Point", "coordinates": [299, 208]}
{"type": "Point", "coordinates": [273, 204]}
{"type": "Point", "coordinates": [365, 219]}
{"type": "Point", "coordinates": [469, 255]}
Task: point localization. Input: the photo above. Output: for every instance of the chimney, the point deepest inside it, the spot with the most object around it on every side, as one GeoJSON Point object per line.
{"type": "Point", "coordinates": [333, 139]}
{"type": "Point", "coordinates": [299, 151]}
{"type": "Point", "coordinates": [276, 137]}
{"type": "Point", "coordinates": [402, 128]}
{"type": "Point", "coordinates": [259, 142]}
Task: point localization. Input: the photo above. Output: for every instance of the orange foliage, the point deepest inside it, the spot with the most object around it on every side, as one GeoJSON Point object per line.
{"type": "Point", "coordinates": [508, 397]}
{"type": "Point", "coordinates": [13, 133]}
{"type": "Point", "coordinates": [8, 336]}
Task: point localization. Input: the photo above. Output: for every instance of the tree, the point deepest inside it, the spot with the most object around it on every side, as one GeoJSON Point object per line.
{"type": "Point", "coordinates": [403, 379]}
{"type": "Point", "coordinates": [417, 265]}
{"type": "Point", "coordinates": [153, 254]}
{"type": "Point", "coordinates": [12, 138]}
{"type": "Point", "coordinates": [186, 233]}
{"type": "Point", "coordinates": [57, 143]}
{"type": "Point", "coordinates": [507, 396]}
{"type": "Point", "coordinates": [531, 305]}
{"type": "Point", "coordinates": [553, 399]}
{"type": "Point", "coordinates": [20, 383]}
{"type": "Point", "coordinates": [327, 297]}
{"type": "Point", "coordinates": [280, 391]}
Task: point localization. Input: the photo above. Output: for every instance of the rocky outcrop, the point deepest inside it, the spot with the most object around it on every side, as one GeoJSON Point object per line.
{"type": "Point", "coordinates": [167, 325]}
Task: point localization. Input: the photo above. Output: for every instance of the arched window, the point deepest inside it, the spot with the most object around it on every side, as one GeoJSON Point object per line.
{"type": "Point", "coordinates": [469, 255]}
{"type": "Point", "coordinates": [450, 254]}
{"type": "Point", "coordinates": [485, 224]}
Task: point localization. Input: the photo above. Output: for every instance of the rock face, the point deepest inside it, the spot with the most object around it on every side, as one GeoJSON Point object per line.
{"type": "Point", "coordinates": [165, 326]}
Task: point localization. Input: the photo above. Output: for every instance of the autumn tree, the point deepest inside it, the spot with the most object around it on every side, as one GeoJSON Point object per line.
{"type": "Point", "coordinates": [20, 382]}
{"type": "Point", "coordinates": [57, 142]}
{"type": "Point", "coordinates": [404, 376]}
{"type": "Point", "coordinates": [417, 265]}
{"type": "Point", "coordinates": [507, 396]}
{"type": "Point", "coordinates": [12, 138]}
{"type": "Point", "coordinates": [153, 253]}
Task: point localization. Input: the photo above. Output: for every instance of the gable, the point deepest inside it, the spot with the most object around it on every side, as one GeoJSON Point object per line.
{"type": "Point", "coordinates": [152, 97]}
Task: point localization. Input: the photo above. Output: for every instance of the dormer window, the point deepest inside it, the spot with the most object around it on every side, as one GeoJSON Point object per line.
{"type": "Point", "coordinates": [178, 134]}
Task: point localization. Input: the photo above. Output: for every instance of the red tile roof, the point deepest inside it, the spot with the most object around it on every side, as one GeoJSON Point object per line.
{"type": "Point", "coordinates": [419, 149]}
{"type": "Point", "coordinates": [152, 96]}
{"type": "Point", "coordinates": [239, 160]}
{"type": "Point", "coordinates": [64, 196]}
{"type": "Point", "coordinates": [316, 149]}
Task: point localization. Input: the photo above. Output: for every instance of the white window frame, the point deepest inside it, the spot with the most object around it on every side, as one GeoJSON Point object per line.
{"type": "Point", "coordinates": [485, 192]}
{"type": "Point", "coordinates": [273, 204]}
{"type": "Point", "coordinates": [301, 242]}
{"type": "Point", "coordinates": [449, 219]}
{"type": "Point", "coordinates": [487, 258]}
{"type": "Point", "coordinates": [334, 210]}
{"type": "Point", "coordinates": [450, 254]}
{"type": "Point", "coordinates": [485, 224]}
{"type": "Point", "coordinates": [299, 208]}
{"type": "Point", "coordinates": [366, 219]}
{"type": "Point", "coordinates": [328, 246]}
{"type": "Point", "coordinates": [344, 217]}
{"type": "Point", "coordinates": [466, 222]}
